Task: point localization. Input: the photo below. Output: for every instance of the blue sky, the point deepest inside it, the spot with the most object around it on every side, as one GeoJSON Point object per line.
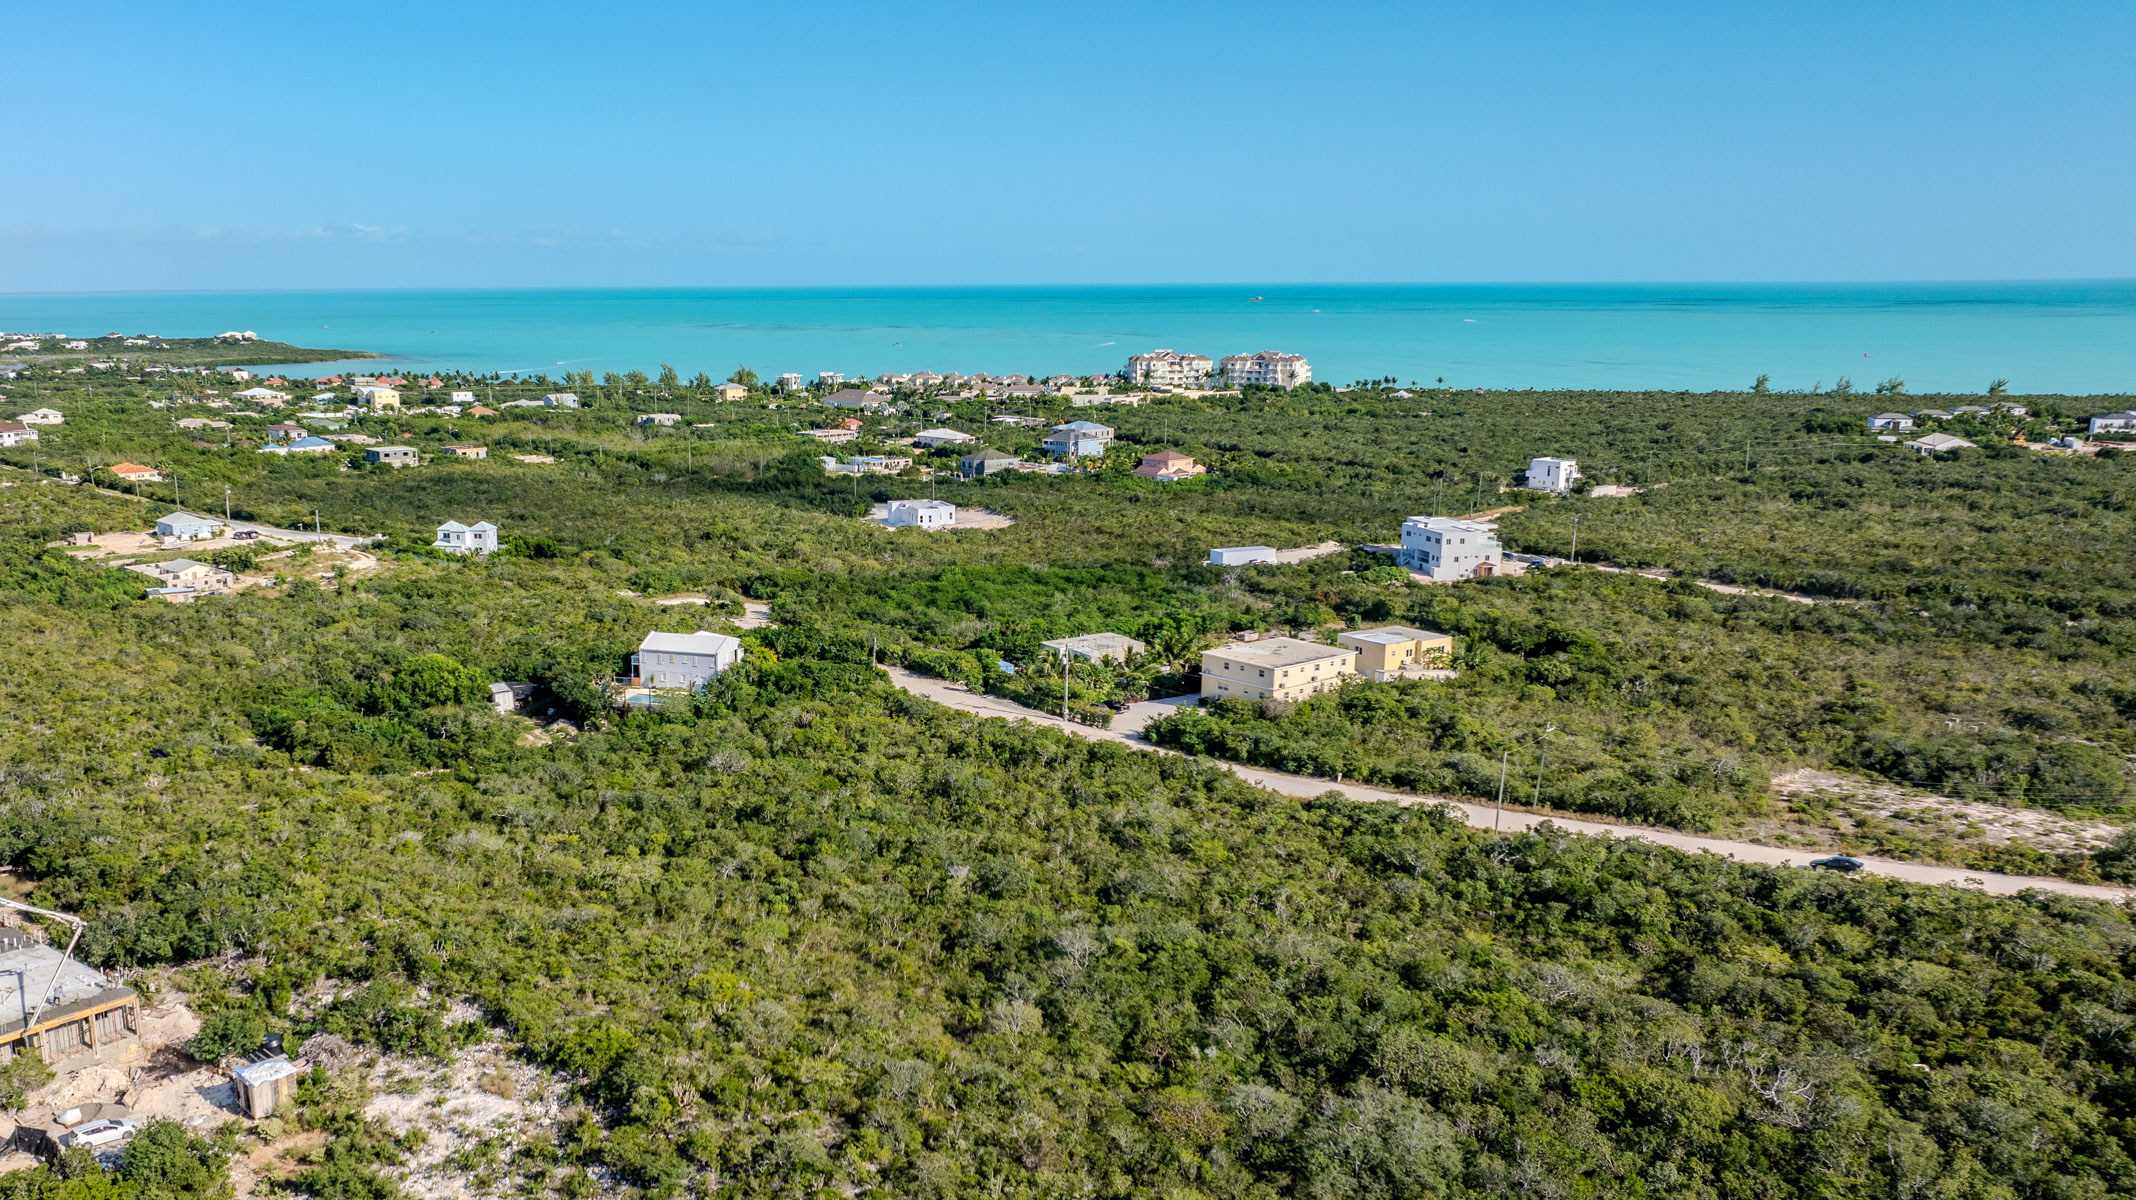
{"type": "Point", "coordinates": [404, 145]}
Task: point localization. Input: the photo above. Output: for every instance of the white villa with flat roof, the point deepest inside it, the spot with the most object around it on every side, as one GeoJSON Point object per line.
{"type": "Point", "coordinates": [2120, 422]}
{"type": "Point", "coordinates": [1449, 548]}
{"type": "Point", "coordinates": [1552, 474]}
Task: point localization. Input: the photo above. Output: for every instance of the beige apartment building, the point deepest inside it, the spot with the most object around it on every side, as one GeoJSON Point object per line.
{"type": "Point", "coordinates": [1276, 668]}
{"type": "Point", "coordinates": [1385, 651]}
{"type": "Point", "coordinates": [1169, 368]}
{"type": "Point", "coordinates": [1268, 367]}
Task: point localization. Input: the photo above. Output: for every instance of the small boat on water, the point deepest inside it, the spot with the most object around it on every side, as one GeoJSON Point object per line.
{"type": "Point", "coordinates": [1253, 299]}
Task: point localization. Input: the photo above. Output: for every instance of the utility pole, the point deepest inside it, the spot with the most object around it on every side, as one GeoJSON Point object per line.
{"type": "Point", "coordinates": [1064, 683]}
{"type": "Point", "coordinates": [226, 506]}
{"type": "Point", "coordinates": [1576, 537]}
{"type": "Point", "coordinates": [1540, 760]}
{"type": "Point", "coordinates": [1498, 820]}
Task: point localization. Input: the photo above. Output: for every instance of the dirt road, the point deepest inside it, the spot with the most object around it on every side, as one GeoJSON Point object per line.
{"type": "Point", "coordinates": [1128, 727]}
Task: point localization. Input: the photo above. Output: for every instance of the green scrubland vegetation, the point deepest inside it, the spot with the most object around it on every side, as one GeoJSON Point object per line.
{"type": "Point", "coordinates": [803, 931]}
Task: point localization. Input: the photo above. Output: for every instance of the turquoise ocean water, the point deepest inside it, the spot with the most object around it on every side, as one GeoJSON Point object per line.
{"type": "Point", "coordinates": [2044, 337]}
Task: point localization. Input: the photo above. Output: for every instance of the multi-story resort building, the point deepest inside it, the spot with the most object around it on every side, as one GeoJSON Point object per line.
{"type": "Point", "coordinates": [1169, 368]}
{"type": "Point", "coordinates": [1267, 368]}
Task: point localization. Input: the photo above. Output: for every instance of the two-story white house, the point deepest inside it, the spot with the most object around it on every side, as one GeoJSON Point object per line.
{"type": "Point", "coordinates": [683, 660]}
{"type": "Point", "coordinates": [1552, 474]}
{"type": "Point", "coordinates": [2120, 422]}
{"type": "Point", "coordinates": [455, 538]}
{"type": "Point", "coordinates": [1078, 439]}
{"type": "Point", "coordinates": [1449, 548]}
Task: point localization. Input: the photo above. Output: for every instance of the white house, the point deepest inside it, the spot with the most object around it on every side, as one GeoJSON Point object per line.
{"type": "Point", "coordinates": [830, 377]}
{"type": "Point", "coordinates": [262, 395]}
{"type": "Point", "coordinates": [43, 416]}
{"type": "Point", "coordinates": [2120, 422]}
{"type": "Point", "coordinates": [1168, 368]}
{"type": "Point", "coordinates": [790, 382]}
{"type": "Point", "coordinates": [1553, 474]}
{"type": "Point", "coordinates": [186, 527]}
{"type": "Point", "coordinates": [561, 400]}
{"type": "Point", "coordinates": [1938, 443]}
{"type": "Point", "coordinates": [662, 419]}
{"type": "Point", "coordinates": [920, 514]}
{"type": "Point", "coordinates": [1267, 367]}
{"type": "Point", "coordinates": [928, 439]}
{"type": "Point", "coordinates": [15, 433]}
{"type": "Point", "coordinates": [1447, 548]}
{"type": "Point", "coordinates": [1895, 421]}
{"type": "Point", "coordinates": [1079, 439]}
{"type": "Point", "coordinates": [463, 398]}
{"type": "Point", "coordinates": [478, 538]}
{"type": "Point", "coordinates": [683, 660]}
{"type": "Point", "coordinates": [239, 374]}
{"type": "Point", "coordinates": [1238, 556]}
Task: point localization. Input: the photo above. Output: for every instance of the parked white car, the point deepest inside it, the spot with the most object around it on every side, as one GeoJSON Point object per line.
{"type": "Point", "coordinates": [98, 1135]}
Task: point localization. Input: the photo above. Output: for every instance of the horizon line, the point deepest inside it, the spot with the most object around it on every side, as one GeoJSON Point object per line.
{"type": "Point", "coordinates": [1173, 284]}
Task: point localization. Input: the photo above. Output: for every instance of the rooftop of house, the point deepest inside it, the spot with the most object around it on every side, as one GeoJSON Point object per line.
{"type": "Point", "coordinates": [704, 641]}
{"type": "Point", "coordinates": [989, 454]}
{"type": "Point", "coordinates": [1094, 643]}
{"type": "Point", "coordinates": [24, 968]}
{"type": "Point", "coordinates": [182, 517]}
{"type": "Point", "coordinates": [1454, 525]}
{"type": "Point", "coordinates": [1166, 456]}
{"type": "Point", "coordinates": [1393, 635]}
{"type": "Point", "coordinates": [1278, 652]}
{"type": "Point", "coordinates": [1942, 441]}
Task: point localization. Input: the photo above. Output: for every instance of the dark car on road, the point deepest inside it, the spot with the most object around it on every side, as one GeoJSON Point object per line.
{"type": "Point", "coordinates": [1838, 862]}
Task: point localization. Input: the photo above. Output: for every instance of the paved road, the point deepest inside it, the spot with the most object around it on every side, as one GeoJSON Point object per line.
{"type": "Point", "coordinates": [1128, 727]}
{"type": "Point", "coordinates": [340, 541]}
